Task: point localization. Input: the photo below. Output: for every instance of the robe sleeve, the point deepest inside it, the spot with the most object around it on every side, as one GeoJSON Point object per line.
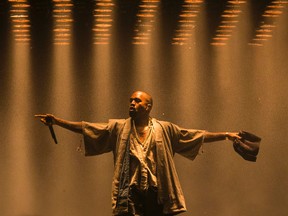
{"type": "Point", "coordinates": [98, 138]}
{"type": "Point", "coordinates": [187, 142]}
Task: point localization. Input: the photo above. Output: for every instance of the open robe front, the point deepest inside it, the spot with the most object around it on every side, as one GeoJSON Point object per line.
{"type": "Point", "coordinates": [169, 139]}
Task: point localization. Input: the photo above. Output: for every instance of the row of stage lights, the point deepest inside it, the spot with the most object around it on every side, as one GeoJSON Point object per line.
{"type": "Point", "coordinates": [146, 19]}
{"type": "Point", "coordinates": [103, 20]}
{"type": "Point", "coordinates": [145, 23]}
{"type": "Point", "coordinates": [19, 14]}
{"type": "Point", "coordinates": [230, 18]}
{"type": "Point", "coordinates": [21, 25]}
{"type": "Point", "coordinates": [265, 31]}
{"type": "Point", "coordinates": [187, 21]}
{"type": "Point", "coordinates": [62, 10]}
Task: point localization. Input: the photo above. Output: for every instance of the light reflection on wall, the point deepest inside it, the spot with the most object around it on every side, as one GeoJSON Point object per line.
{"type": "Point", "coordinates": [62, 103]}
{"type": "Point", "coordinates": [101, 81]}
{"type": "Point", "coordinates": [145, 43]}
{"type": "Point", "coordinates": [101, 76]}
{"type": "Point", "coordinates": [62, 14]}
{"type": "Point", "coordinates": [187, 82]}
{"type": "Point", "coordinates": [19, 14]}
{"type": "Point", "coordinates": [19, 170]}
{"type": "Point", "coordinates": [228, 67]}
{"type": "Point", "coordinates": [270, 17]}
{"type": "Point", "coordinates": [103, 20]}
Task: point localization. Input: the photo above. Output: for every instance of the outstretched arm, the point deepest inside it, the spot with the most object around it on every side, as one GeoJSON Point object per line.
{"type": "Point", "coordinates": [218, 136]}
{"type": "Point", "coordinates": [49, 119]}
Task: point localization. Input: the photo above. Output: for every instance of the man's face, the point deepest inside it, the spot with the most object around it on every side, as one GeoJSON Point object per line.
{"type": "Point", "coordinates": [139, 105]}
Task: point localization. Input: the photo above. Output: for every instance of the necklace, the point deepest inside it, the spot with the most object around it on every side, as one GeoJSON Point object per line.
{"type": "Point", "coordinates": [142, 133]}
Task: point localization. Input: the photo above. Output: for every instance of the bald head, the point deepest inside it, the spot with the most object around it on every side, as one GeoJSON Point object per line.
{"type": "Point", "coordinates": [147, 97]}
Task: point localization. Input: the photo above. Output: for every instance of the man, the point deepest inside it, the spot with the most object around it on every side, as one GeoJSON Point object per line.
{"type": "Point", "coordinates": [145, 181]}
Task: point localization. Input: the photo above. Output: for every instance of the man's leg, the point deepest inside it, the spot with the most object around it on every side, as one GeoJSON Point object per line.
{"type": "Point", "coordinates": [151, 205]}
{"type": "Point", "coordinates": [144, 204]}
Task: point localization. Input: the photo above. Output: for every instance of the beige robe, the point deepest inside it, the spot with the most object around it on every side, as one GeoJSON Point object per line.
{"type": "Point", "coordinates": [170, 139]}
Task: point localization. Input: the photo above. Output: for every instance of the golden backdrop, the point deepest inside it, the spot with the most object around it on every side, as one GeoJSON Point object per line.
{"type": "Point", "coordinates": [215, 65]}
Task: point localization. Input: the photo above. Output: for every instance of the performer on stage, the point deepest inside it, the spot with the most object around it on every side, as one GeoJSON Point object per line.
{"type": "Point", "coordinates": [145, 181]}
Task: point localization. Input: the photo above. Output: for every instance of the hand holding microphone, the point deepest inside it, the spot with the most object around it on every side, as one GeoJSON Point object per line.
{"type": "Point", "coordinates": [48, 120]}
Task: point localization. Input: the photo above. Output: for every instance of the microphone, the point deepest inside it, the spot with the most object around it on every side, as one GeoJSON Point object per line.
{"type": "Point", "coordinates": [52, 133]}
{"type": "Point", "coordinates": [49, 120]}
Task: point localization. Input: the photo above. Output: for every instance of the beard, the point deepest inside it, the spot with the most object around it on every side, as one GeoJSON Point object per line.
{"type": "Point", "coordinates": [132, 112]}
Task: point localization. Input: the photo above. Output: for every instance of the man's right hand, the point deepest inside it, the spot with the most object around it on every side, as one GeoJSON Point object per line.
{"type": "Point", "coordinates": [47, 119]}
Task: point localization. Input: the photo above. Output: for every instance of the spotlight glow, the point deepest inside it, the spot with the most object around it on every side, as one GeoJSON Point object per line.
{"type": "Point", "coordinates": [19, 166]}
